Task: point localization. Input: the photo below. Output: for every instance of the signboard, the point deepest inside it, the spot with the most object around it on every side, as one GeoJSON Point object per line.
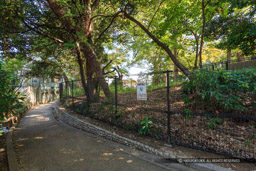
{"type": "Point", "coordinates": [141, 91]}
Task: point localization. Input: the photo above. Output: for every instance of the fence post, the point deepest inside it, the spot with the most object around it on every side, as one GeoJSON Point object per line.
{"type": "Point", "coordinates": [72, 91]}
{"type": "Point", "coordinates": [168, 107]}
{"type": "Point", "coordinates": [213, 67]}
{"type": "Point", "coordinates": [61, 91]}
{"type": "Point", "coordinates": [115, 94]}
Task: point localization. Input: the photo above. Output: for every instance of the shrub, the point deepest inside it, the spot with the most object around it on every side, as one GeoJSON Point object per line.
{"type": "Point", "coordinates": [221, 90]}
{"type": "Point", "coordinates": [144, 126]}
{"type": "Point", "coordinates": [10, 99]}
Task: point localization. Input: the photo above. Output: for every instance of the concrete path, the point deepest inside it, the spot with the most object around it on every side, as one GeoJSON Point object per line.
{"type": "Point", "coordinates": [45, 144]}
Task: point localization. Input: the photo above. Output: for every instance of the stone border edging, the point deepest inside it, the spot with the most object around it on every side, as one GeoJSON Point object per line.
{"type": "Point", "coordinates": [11, 155]}
{"type": "Point", "coordinates": [80, 124]}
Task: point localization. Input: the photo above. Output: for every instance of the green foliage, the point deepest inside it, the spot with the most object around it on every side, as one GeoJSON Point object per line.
{"type": "Point", "coordinates": [144, 126]}
{"type": "Point", "coordinates": [235, 31]}
{"type": "Point", "coordinates": [221, 90]}
{"type": "Point", "coordinates": [188, 114]}
{"type": "Point", "coordinates": [78, 92]}
{"type": "Point", "coordinates": [248, 142]}
{"type": "Point", "coordinates": [10, 100]}
{"type": "Point", "coordinates": [214, 122]}
{"type": "Point", "coordinates": [119, 113]}
{"type": "Point", "coordinates": [101, 107]}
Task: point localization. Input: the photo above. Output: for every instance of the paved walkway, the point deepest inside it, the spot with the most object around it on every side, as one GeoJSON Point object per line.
{"type": "Point", "coordinates": [44, 144]}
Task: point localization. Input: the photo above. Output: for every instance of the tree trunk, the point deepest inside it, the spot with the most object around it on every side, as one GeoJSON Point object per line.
{"type": "Point", "coordinates": [65, 79]}
{"type": "Point", "coordinates": [156, 68]}
{"type": "Point", "coordinates": [92, 65]}
{"type": "Point", "coordinates": [176, 70]}
{"type": "Point", "coordinates": [81, 68]}
{"type": "Point", "coordinates": [228, 54]}
{"type": "Point", "coordinates": [197, 46]}
{"type": "Point", "coordinates": [202, 35]}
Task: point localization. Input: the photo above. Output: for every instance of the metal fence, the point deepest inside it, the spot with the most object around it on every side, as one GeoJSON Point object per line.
{"type": "Point", "coordinates": [234, 64]}
{"type": "Point", "coordinates": [227, 134]}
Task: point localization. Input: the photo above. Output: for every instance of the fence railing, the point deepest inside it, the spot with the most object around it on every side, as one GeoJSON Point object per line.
{"type": "Point", "coordinates": [227, 134]}
{"type": "Point", "coordinates": [234, 64]}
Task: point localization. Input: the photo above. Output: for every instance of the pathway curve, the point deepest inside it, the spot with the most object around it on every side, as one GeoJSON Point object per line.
{"type": "Point", "coordinates": [45, 144]}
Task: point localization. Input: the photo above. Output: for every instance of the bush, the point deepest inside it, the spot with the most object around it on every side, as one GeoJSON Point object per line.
{"type": "Point", "coordinates": [144, 126]}
{"type": "Point", "coordinates": [10, 100]}
{"type": "Point", "coordinates": [221, 90]}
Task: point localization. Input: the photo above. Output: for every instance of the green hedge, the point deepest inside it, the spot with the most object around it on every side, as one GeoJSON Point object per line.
{"type": "Point", "coordinates": [223, 90]}
{"type": "Point", "coordinates": [10, 99]}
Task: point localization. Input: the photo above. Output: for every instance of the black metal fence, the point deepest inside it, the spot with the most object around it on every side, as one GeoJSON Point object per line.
{"type": "Point", "coordinates": [234, 64]}
{"type": "Point", "coordinates": [227, 134]}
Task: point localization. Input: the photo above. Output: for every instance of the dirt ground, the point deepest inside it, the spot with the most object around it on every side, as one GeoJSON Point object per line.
{"type": "Point", "coordinates": [234, 136]}
{"type": "Point", "coordinates": [179, 151]}
{"type": "Point", "coordinates": [3, 154]}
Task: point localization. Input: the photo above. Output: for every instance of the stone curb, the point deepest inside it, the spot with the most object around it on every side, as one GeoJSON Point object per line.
{"type": "Point", "coordinates": [11, 155]}
{"type": "Point", "coordinates": [80, 124]}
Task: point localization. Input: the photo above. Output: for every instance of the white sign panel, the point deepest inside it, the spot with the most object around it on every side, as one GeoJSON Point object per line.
{"type": "Point", "coordinates": [141, 91]}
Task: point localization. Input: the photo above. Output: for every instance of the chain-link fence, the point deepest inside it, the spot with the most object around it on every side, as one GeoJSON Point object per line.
{"type": "Point", "coordinates": [139, 100]}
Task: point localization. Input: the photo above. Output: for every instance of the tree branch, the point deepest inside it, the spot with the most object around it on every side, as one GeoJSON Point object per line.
{"type": "Point", "coordinates": [112, 21]}
{"type": "Point", "coordinates": [60, 13]}
{"type": "Point", "coordinates": [101, 15]}
{"type": "Point", "coordinates": [105, 73]}
{"type": "Point", "coordinates": [106, 65]}
{"type": "Point", "coordinates": [95, 3]}
{"type": "Point", "coordinates": [155, 13]}
{"type": "Point", "coordinates": [158, 42]}
{"type": "Point", "coordinates": [42, 33]}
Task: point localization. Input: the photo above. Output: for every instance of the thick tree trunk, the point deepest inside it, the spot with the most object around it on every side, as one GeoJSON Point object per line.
{"type": "Point", "coordinates": [92, 65]}
{"type": "Point", "coordinates": [81, 68]}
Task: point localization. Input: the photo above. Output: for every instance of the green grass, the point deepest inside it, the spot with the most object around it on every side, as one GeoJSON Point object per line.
{"type": "Point", "coordinates": [78, 92]}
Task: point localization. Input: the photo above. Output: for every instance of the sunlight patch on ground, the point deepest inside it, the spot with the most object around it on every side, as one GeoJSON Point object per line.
{"type": "Point", "coordinates": [38, 138]}
{"type": "Point", "coordinates": [2, 150]}
{"type": "Point", "coordinates": [38, 117]}
{"type": "Point", "coordinates": [135, 153]}
{"type": "Point", "coordinates": [107, 154]}
{"type": "Point", "coordinates": [32, 116]}
{"type": "Point", "coordinates": [67, 151]}
{"type": "Point", "coordinates": [129, 161]}
{"type": "Point", "coordinates": [77, 160]}
{"type": "Point", "coordinates": [22, 139]}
